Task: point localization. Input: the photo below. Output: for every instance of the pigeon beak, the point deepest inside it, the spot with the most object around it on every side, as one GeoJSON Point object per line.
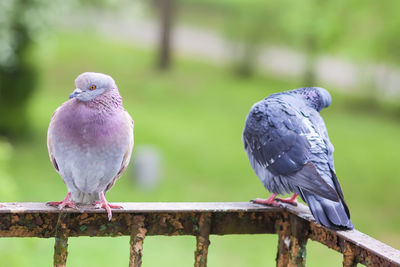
{"type": "Point", "coordinates": [75, 93]}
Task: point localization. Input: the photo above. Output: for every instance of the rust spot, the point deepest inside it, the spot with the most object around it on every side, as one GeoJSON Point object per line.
{"type": "Point", "coordinates": [19, 230]}
{"type": "Point", "coordinates": [39, 220]}
{"type": "Point", "coordinates": [14, 219]}
{"type": "Point", "coordinates": [349, 256]}
{"type": "Point", "coordinates": [163, 221]}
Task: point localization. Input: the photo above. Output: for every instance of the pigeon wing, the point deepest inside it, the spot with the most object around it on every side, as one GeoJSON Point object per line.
{"type": "Point", "coordinates": [49, 141]}
{"type": "Point", "coordinates": [330, 149]}
{"type": "Point", "coordinates": [127, 155]}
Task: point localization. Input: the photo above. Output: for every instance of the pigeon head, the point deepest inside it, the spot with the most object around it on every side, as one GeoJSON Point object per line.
{"type": "Point", "coordinates": [89, 85]}
{"type": "Point", "coordinates": [316, 97]}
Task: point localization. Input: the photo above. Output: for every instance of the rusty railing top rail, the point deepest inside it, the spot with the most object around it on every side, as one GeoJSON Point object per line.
{"type": "Point", "coordinates": [294, 225]}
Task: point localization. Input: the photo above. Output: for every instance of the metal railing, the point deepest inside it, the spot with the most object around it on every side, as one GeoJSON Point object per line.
{"type": "Point", "coordinates": [294, 225]}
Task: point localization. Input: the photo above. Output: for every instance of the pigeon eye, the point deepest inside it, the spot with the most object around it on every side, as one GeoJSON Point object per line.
{"type": "Point", "coordinates": [92, 87]}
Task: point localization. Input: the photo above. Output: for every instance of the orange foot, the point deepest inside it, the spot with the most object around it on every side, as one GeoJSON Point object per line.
{"type": "Point", "coordinates": [290, 200]}
{"type": "Point", "coordinates": [270, 201]}
{"type": "Point", "coordinates": [67, 202]}
{"type": "Point", "coordinates": [103, 203]}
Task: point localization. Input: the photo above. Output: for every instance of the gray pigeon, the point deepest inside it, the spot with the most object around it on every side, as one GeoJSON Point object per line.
{"type": "Point", "coordinates": [90, 140]}
{"type": "Point", "coordinates": [289, 149]}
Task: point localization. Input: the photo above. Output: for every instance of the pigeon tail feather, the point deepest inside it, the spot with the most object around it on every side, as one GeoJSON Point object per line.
{"type": "Point", "coordinates": [328, 213]}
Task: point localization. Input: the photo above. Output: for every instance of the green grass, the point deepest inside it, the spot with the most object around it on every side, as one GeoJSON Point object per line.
{"type": "Point", "coordinates": [194, 115]}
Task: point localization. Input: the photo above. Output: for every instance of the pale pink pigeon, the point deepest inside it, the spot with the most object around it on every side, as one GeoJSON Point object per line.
{"type": "Point", "coordinates": [90, 141]}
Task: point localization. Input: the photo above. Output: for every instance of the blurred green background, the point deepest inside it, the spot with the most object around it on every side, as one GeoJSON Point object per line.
{"type": "Point", "coordinates": [189, 98]}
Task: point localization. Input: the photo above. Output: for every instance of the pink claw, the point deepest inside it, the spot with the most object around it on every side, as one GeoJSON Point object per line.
{"type": "Point", "coordinates": [270, 201]}
{"type": "Point", "coordinates": [67, 202]}
{"type": "Point", "coordinates": [290, 200]}
{"type": "Point", "coordinates": [103, 203]}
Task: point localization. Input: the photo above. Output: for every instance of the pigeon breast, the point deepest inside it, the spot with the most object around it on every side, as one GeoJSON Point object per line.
{"type": "Point", "coordinates": [89, 145]}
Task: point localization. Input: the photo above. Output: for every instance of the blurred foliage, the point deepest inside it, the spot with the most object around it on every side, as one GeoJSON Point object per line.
{"type": "Point", "coordinates": [251, 27]}
{"type": "Point", "coordinates": [21, 23]}
{"type": "Point", "coordinates": [8, 188]}
{"type": "Point", "coordinates": [387, 42]}
{"type": "Point", "coordinates": [357, 29]}
{"type": "Point", "coordinates": [314, 26]}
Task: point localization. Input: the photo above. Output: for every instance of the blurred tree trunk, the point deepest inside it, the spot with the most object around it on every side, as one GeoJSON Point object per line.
{"type": "Point", "coordinates": [166, 9]}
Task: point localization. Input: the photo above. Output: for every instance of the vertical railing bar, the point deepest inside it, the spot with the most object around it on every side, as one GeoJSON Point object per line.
{"type": "Point", "coordinates": [138, 233]}
{"type": "Point", "coordinates": [202, 240]}
{"type": "Point", "coordinates": [349, 257]}
{"type": "Point", "coordinates": [292, 240]}
{"type": "Point", "coordinates": [283, 231]}
{"type": "Point", "coordinates": [61, 241]}
{"type": "Point", "coordinates": [60, 251]}
{"type": "Point", "coordinates": [299, 230]}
